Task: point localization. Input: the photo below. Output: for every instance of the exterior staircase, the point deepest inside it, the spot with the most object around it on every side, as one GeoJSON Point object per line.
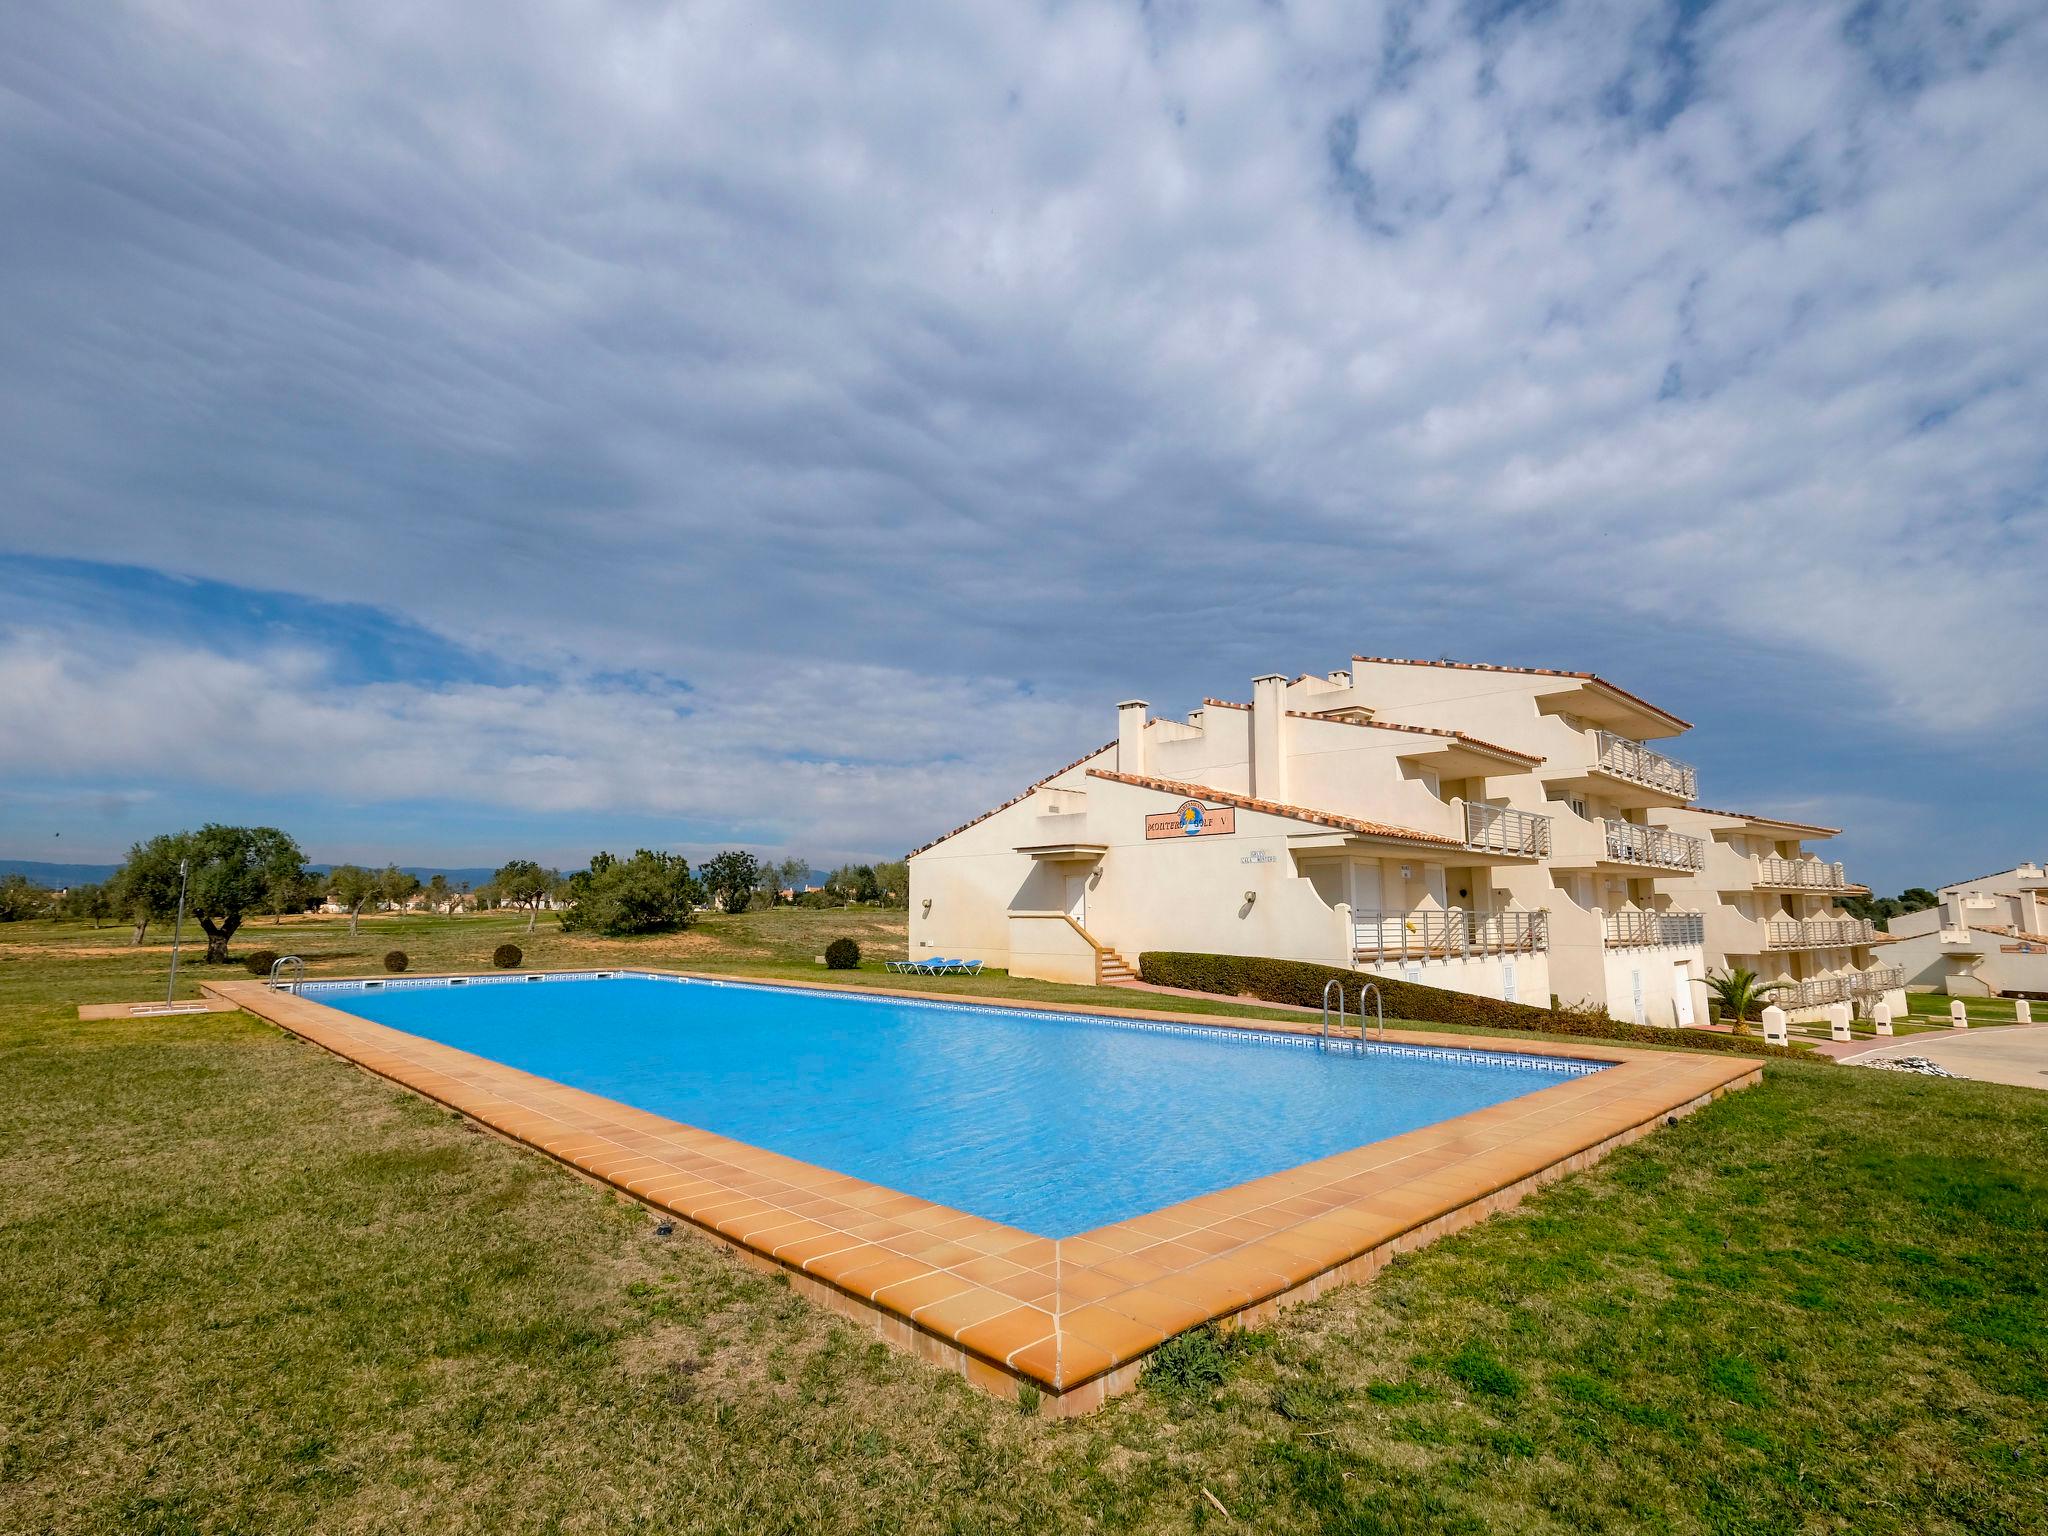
{"type": "Point", "coordinates": [1113, 970]}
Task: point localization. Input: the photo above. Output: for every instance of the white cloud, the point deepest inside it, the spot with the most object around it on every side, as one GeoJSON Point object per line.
{"type": "Point", "coordinates": [1089, 347]}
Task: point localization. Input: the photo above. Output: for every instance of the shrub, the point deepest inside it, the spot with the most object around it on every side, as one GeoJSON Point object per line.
{"type": "Point", "coordinates": [842, 955]}
{"type": "Point", "coordinates": [396, 961]}
{"type": "Point", "coordinates": [1300, 982]}
{"type": "Point", "coordinates": [259, 961]}
{"type": "Point", "coordinates": [507, 957]}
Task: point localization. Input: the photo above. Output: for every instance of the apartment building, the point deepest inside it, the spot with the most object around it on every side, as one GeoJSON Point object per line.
{"type": "Point", "coordinates": [1985, 937]}
{"type": "Point", "coordinates": [1513, 832]}
{"type": "Point", "coordinates": [1617, 937]}
{"type": "Point", "coordinates": [1773, 906]}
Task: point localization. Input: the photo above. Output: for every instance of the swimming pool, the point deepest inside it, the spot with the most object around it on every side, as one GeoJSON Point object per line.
{"type": "Point", "coordinates": [1054, 1123]}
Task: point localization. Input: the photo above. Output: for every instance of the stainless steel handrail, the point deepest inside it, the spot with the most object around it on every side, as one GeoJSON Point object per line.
{"type": "Point", "coordinates": [277, 967]}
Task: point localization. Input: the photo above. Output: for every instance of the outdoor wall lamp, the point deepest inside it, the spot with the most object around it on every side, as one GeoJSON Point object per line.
{"type": "Point", "coordinates": [927, 906]}
{"type": "Point", "coordinates": [1250, 897]}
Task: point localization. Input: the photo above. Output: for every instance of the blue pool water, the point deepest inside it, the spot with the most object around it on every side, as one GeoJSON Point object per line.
{"type": "Point", "coordinates": [1053, 1123]}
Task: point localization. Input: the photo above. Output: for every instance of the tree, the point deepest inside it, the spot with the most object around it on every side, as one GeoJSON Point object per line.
{"type": "Point", "coordinates": [648, 893]}
{"type": "Point", "coordinates": [233, 872]}
{"type": "Point", "coordinates": [1741, 995]}
{"type": "Point", "coordinates": [729, 877]}
{"type": "Point", "coordinates": [352, 886]}
{"type": "Point", "coordinates": [850, 883]}
{"type": "Point", "coordinates": [438, 894]}
{"type": "Point", "coordinates": [792, 876]}
{"type": "Point", "coordinates": [88, 903]}
{"type": "Point", "coordinates": [21, 898]}
{"type": "Point", "coordinates": [523, 883]}
{"type": "Point", "coordinates": [892, 879]}
{"type": "Point", "coordinates": [768, 882]}
{"type": "Point", "coordinates": [395, 886]}
{"type": "Point", "coordinates": [147, 885]}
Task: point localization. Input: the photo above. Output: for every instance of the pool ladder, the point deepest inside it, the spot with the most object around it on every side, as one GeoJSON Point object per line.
{"type": "Point", "coordinates": [1378, 1004]}
{"type": "Point", "coordinates": [277, 969]}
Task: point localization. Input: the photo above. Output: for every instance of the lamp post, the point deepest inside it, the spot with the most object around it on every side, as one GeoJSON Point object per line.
{"type": "Point", "coordinates": [178, 932]}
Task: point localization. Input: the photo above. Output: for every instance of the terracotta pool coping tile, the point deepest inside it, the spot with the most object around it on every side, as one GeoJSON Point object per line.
{"type": "Point", "coordinates": [1060, 1313]}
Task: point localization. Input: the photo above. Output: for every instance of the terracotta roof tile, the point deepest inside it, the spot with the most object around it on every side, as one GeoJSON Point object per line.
{"type": "Point", "coordinates": [1275, 808]}
{"type": "Point", "coordinates": [1484, 666]}
{"type": "Point", "coordinates": [1420, 730]}
{"type": "Point", "coordinates": [1770, 821]}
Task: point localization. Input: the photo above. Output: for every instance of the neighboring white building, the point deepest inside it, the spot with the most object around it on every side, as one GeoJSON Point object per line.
{"type": "Point", "coordinates": [1987, 936]}
{"type": "Point", "coordinates": [1773, 907]}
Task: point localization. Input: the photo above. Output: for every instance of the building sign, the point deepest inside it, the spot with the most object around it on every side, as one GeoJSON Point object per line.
{"type": "Point", "coordinates": [1193, 819]}
{"type": "Point", "coordinates": [1260, 856]}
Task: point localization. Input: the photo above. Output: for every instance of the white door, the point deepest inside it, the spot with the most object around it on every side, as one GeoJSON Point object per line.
{"type": "Point", "coordinates": [1681, 994]}
{"type": "Point", "coordinates": [1077, 899]}
{"type": "Point", "coordinates": [1507, 981]}
{"type": "Point", "coordinates": [1636, 978]}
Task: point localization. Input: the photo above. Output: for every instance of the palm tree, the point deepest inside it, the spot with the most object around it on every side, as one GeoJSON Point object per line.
{"type": "Point", "coordinates": [1741, 996]}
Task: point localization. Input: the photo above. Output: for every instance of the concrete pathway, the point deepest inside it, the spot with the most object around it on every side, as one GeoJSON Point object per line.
{"type": "Point", "coordinates": [2015, 1053]}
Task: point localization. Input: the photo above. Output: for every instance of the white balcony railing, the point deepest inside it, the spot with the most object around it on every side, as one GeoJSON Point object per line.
{"type": "Point", "coordinates": [1803, 874]}
{"type": "Point", "coordinates": [1856, 986]}
{"type": "Point", "coordinates": [1818, 932]}
{"type": "Point", "coordinates": [1633, 930]}
{"type": "Point", "coordinates": [1628, 843]}
{"type": "Point", "coordinates": [1384, 938]}
{"type": "Point", "coordinates": [1632, 760]}
{"type": "Point", "coordinates": [1496, 829]}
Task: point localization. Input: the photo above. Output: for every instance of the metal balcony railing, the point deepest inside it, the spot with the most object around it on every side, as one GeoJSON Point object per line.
{"type": "Point", "coordinates": [1397, 937]}
{"type": "Point", "coordinates": [1805, 874]}
{"type": "Point", "coordinates": [1632, 760]}
{"type": "Point", "coordinates": [1496, 829]}
{"type": "Point", "coordinates": [1632, 930]}
{"type": "Point", "coordinates": [1629, 843]}
{"type": "Point", "coordinates": [1821, 990]}
{"type": "Point", "coordinates": [1818, 932]}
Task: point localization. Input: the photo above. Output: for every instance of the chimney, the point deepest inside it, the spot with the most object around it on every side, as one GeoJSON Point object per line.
{"type": "Point", "coordinates": [1130, 736]}
{"type": "Point", "coordinates": [1269, 765]}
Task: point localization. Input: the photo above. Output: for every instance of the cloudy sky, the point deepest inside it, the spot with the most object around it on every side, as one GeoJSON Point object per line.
{"type": "Point", "coordinates": [461, 431]}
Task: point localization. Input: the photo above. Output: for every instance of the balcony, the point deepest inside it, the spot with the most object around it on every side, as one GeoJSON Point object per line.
{"type": "Point", "coordinates": [1631, 760]}
{"type": "Point", "coordinates": [1511, 834]}
{"type": "Point", "coordinates": [1639, 930]}
{"type": "Point", "coordinates": [1629, 843]}
{"type": "Point", "coordinates": [1818, 932]}
{"type": "Point", "coordinates": [1062, 837]}
{"type": "Point", "coordinates": [1386, 938]}
{"type": "Point", "coordinates": [1821, 990]}
{"type": "Point", "coordinates": [1802, 874]}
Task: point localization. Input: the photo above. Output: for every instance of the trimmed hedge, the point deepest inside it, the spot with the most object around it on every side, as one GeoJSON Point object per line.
{"type": "Point", "coordinates": [1301, 983]}
{"type": "Point", "coordinates": [506, 957]}
{"type": "Point", "coordinates": [259, 961]}
{"type": "Point", "coordinates": [842, 955]}
{"type": "Point", "coordinates": [396, 961]}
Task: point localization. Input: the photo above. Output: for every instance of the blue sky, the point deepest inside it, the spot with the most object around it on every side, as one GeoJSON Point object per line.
{"type": "Point", "coordinates": [686, 426]}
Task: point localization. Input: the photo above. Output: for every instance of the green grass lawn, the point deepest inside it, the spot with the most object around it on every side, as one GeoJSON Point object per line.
{"type": "Point", "coordinates": [245, 1287]}
{"type": "Point", "coordinates": [1930, 1009]}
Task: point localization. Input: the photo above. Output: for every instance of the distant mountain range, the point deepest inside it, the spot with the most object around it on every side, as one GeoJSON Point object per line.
{"type": "Point", "coordinates": [63, 876]}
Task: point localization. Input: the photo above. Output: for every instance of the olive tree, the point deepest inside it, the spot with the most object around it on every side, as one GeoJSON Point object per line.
{"type": "Point", "coordinates": [352, 886]}
{"type": "Point", "coordinates": [523, 883]}
{"type": "Point", "coordinates": [233, 872]}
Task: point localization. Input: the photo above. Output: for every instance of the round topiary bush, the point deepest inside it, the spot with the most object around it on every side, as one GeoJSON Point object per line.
{"type": "Point", "coordinates": [507, 956]}
{"type": "Point", "coordinates": [842, 955]}
{"type": "Point", "coordinates": [396, 961]}
{"type": "Point", "coordinates": [259, 961]}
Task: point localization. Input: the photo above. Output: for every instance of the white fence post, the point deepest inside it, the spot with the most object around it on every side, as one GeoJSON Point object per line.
{"type": "Point", "coordinates": [2022, 1011]}
{"type": "Point", "coordinates": [1775, 1032]}
{"type": "Point", "coordinates": [1882, 1014]}
{"type": "Point", "coordinates": [1838, 1021]}
{"type": "Point", "coordinates": [1958, 1015]}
